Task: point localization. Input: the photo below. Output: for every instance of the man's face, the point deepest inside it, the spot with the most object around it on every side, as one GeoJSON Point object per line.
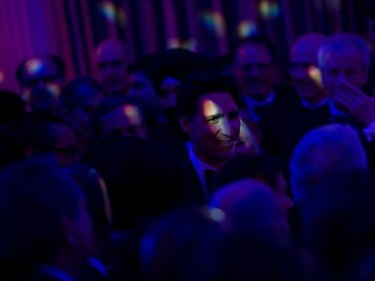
{"type": "Point", "coordinates": [304, 73]}
{"type": "Point", "coordinates": [126, 120]}
{"type": "Point", "coordinates": [254, 71]}
{"type": "Point", "coordinates": [111, 67]}
{"type": "Point", "coordinates": [343, 64]}
{"type": "Point", "coordinates": [41, 83]}
{"type": "Point", "coordinates": [215, 128]}
{"type": "Point", "coordinates": [141, 88]}
{"type": "Point", "coordinates": [66, 148]}
{"type": "Point", "coordinates": [79, 117]}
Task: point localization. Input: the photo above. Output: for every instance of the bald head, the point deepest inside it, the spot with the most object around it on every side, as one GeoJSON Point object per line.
{"type": "Point", "coordinates": [110, 62]}
{"type": "Point", "coordinates": [307, 46]}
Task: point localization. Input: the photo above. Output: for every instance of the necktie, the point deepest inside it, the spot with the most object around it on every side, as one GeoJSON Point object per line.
{"type": "Point", "coordinates": [208, 174]}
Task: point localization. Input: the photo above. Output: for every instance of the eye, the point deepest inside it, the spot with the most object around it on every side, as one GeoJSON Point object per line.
{"type": "Point", "coordinates": [214, 119]}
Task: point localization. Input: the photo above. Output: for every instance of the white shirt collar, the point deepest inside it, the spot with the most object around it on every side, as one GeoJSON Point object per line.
{"type": "Point", "coordinates": [308, 105]}
{"type": "Point", "coordinates": [55, 273]}
{"type": "Point", "coordinates": [251, 103]}
{"type": "Point", "coordinates": [335, 111]}
{"type": "Point", "coordinates": [268, 100]}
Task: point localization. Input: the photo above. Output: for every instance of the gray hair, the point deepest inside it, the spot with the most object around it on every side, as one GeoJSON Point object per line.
{"type": "Point", "coordinates": [322, 151]}
{"type": "Point", "coordinates": [340, 40]}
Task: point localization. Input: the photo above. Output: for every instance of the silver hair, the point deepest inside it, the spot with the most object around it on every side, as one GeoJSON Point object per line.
{"type": "Point", "coordinates": [322, 151]}
{"type": "Point", "coordinates": [340, 40]}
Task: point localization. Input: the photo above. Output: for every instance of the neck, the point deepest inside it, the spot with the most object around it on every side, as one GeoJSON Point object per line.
{"type": "Point", "coordinates": [316, 99]}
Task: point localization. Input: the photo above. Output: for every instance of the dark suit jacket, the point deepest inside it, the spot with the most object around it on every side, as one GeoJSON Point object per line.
{"type": "Point", "coordinates": [297, 122]}
{"type": "Point", "coordinates": [190, 189]}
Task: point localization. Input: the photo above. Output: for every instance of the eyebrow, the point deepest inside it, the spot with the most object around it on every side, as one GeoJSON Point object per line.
{"type": "Point", "coordinates": [216, 115]}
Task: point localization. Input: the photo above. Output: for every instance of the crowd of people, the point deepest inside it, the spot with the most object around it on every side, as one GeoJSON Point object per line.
{"type": "Point", "coordinates": [183, 166]}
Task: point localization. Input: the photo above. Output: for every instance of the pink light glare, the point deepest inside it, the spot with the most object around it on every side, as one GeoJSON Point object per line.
{"type": "Point", "coordinates": [132, 113]}
{"type": "Point", "coordinates": [112, 13]}
{"type": "Point", "coordinates": [34, 66]}
{"type": "Point", "coordinates": [246, 28]}
{"type": "Point", "coordinates": [315, 74]}
{"type": "Point", "coordinates": [214, 22]}
{"type": "Point", "coordinates": [190, 44]}
{"type": "Point", "coordinates": [269, 9]}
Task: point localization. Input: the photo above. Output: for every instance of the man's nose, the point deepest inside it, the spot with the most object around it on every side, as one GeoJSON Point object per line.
{"type": "Point", "coordinates": [229, 127]}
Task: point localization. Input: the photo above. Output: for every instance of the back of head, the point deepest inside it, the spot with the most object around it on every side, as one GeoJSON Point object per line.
{"type": "Point", "coordinates": [251, 207]}
{"type": "Point", "coordinates": [170, 247]}
{"type": "Point", "coordinates": [341, 40]}
{"type": "Point", "coordinates": [321, 152]}
{"type": "Point", "coordinates": [338, 222]}
{"type": "Point", "coordinates": [199, 84]}
{"type": "Point", "coordinates": [32, 210]}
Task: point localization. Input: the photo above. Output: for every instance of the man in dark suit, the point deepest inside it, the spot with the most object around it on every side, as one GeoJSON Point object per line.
{"type": "Point", "coordinates": [268, 102]}
{"type": "Point", "coordinates": [305, 76]}
{"type": "Point", "coordinates": [208, 108]}
{"type": "Point", "coordinates": [344, 59]}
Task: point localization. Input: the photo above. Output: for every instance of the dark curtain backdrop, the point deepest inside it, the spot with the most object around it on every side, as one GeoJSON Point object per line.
{"type": "Point", "coordinates": [72, 28]}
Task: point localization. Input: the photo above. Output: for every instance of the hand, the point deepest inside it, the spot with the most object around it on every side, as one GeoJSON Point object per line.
{"type": "Point", "coordinates": [354, 101]}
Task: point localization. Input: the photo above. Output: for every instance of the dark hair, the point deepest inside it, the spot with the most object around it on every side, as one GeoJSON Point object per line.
{"type": "Point", "coordinates": [57, 60]}
{"type": "Point", "coordinates": [79, 90]}
{"type": "Point", "coordinates": [106, 105]}
{"type": "Point", "coordinates": [259, 39]}
{"type": "Point", "coordinates": [199, 84]}
{"type": "Point", "coordinates": [177, 63]}
{"type": "Point", "coordinates": [142, 64]}
{"type": "Point", "coordinates": [33, 130]}
{"type": "Point", "coordinates": [35, 196]}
